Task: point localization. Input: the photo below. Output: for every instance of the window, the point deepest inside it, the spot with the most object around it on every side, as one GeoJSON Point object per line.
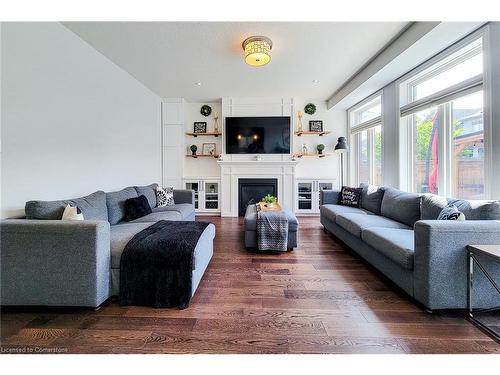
{"type": "Point", "coordinates": [365, 122]}
{"type": "Point", "coordinates": [442, 109]}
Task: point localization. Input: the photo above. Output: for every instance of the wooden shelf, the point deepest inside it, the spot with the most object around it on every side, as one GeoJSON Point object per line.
{"type": "Point", "coordinates": [203, 134]}
{"type": "Point", "coordinates": [312, 155]}
{"type": "Point", "coordinates": [202, 156]}
{"type": "Point", "coordinates": [298, 134]}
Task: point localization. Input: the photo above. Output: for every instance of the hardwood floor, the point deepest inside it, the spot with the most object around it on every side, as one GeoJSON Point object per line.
{"type": "Point", "coordinates": [320, 298]}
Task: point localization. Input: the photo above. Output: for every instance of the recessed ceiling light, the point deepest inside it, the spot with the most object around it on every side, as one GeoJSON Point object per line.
{"type": "Point", "coordinates": [315, 81]}
{"type": "Point", "coordinates": [198, 83]}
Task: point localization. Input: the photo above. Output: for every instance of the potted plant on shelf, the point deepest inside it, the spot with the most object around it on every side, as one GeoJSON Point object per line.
{"type": "Point", "coordinates": [320, 148]}
{"type": "Point", "coordinates": [269, 200]}
{"type": "Point", "coordinates": [193, 149]}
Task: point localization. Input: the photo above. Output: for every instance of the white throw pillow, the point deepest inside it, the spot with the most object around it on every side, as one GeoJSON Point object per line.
{"type": "Point", "coordinates": [164, 197]}
{"type": "Point", "coordinates": [71, 213]}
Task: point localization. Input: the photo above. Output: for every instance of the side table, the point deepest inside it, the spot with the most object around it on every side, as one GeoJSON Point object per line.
{"type": "Point", "coordinates": [492, 253]}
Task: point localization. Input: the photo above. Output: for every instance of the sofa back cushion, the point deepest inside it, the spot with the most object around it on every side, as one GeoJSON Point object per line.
{"type": "Point", "coordinates": [371, 197]}
{"type": "Point", "coordinates": [401, 206]}
{"type": "Point", "coordinates": [149, 192]}
{"type": "Point", "coordinates": [431, 206]}
{"type": "Point", "coordinates": [115, 201]}
{"type": "Point", "coordinates": [93, 207]}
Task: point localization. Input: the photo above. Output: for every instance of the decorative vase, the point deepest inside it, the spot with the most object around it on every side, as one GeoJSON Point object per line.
{"type": "Point", "coordinates": [299, 125]}
{"type": "Point", "coordinates": [193, 149]}
{"type": "Point", "coordinates": [304, 149]}
{"type": "Point", "coordinates": [216, 123]}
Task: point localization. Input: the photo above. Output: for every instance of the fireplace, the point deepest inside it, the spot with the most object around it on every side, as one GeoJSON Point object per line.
{"type": "Point", "coordinates": [252, 190]}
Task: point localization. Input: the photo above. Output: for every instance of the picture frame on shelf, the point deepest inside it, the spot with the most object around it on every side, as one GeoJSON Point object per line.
{"type": "Point", "coordinates": [209, 149]}
{"type": "Point", "coordinates": [316, 126]}
{"type": "Point", "coordinates": [199, 127]}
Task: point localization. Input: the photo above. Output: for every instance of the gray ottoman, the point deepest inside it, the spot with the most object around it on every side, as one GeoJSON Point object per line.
{"type": "Point", "coordinates": [251, 227]}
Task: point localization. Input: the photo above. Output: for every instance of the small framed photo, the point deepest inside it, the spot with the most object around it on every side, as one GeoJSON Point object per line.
{"type": "Point", "coordinates": [209, 149]}
{"type": "Point", "coordinates": [316, 126]}
{"type": "Point", "coordinates": [200, 127]}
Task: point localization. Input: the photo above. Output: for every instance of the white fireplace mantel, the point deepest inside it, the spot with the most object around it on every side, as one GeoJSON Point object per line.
{"type": "Point", "coordinates": [232, 171]}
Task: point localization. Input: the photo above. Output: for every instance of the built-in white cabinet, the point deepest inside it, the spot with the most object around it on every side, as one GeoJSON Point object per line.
{"type": "Point", "coordinates": [308, 194]}
{"type": "Point", "coordinates": [206, 193]}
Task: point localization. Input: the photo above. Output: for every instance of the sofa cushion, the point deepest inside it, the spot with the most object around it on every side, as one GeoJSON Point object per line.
{"type": "Point", "coordinates": [431, 205]}
{"type": "Point", "coordinates": [395, 244]}
{"type": "Point", "coordinates": [116, 204]}
{"type": "Point", "coordinates": [371, 197]}
{"type": "Point", "coordinates": [149, 192]}
{"type": "Point", "coordinates": [157, 216]}
{"type": "Point", "coordinates": [93, 207]}
{"type": "Point", "coordinates": [136, 208]}
{"type": "Point", "coordinates": [478, 209]}
{"type": "Point", "coordinates": [401, 206]}
{"type": "Point", "coordinates": [356, 223]}
{"type": "Point", "coordinates": [330, 211]}
{"type": "Point", "coordinates": [185, 209]}
{"type": "Point", "coordinates": [120, 235]}
{"type": "Point", "coordinates": [251, 220]}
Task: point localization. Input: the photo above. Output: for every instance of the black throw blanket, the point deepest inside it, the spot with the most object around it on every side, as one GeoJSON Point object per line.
{"type": "Point", "coordinates": [157, 263]}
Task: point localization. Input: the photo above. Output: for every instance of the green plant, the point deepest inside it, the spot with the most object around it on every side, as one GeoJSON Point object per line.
{"type": "Point", "coordinates": [310, 109]}
{"type": "Point", "coordinates": [320, 148]}
{"type": "Point", "coordinates": [269, 199]}
{"type": "Point", "coordinates": [193, 149]}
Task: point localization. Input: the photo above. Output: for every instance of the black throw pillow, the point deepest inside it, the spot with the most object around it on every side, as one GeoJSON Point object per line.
{"type": "Point", "coordinates": [136, 208]}
{"type": "Point", "coordinates": [350, 196]}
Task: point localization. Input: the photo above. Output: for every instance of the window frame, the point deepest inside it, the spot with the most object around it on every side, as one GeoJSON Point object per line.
{"type": "Point", "coordinates": [354, 138]}
{"type": "Point", "coordinates": [405, 85]}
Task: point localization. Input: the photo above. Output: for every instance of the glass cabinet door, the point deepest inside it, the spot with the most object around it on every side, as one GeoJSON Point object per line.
{"type": "Point", "coordinates": [194, 186]}
{"type": "Point", "coordinates": [305, 192]}
{"type": "Point", "coordinates": [211, 195]}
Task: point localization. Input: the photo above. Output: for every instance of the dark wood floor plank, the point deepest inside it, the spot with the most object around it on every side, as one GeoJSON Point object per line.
{"type": "Point", "coordinates": [319, 298]}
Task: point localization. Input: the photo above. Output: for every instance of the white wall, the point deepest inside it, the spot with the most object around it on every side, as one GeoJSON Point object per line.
{"type": "Point", "coordinates": [72, 121]}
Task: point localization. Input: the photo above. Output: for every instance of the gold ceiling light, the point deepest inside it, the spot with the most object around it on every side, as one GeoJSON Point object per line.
{"type": "Point", "coordinates": [257, 50]}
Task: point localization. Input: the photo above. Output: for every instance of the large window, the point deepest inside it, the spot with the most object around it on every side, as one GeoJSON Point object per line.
{"type": "Point", "coordinates": [365, 121]}
{"type": "Point", "coordinates": [442, 110]}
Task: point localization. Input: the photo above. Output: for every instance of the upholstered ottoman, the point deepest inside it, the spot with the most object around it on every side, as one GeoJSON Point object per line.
{"type": "Point", "coordinates": [251, 227]}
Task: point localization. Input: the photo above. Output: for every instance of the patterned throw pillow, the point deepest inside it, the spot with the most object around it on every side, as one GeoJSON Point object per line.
{"type": "Point", "coordinates": [350, 196]}
{"type": "Point", "coordinates": [164, 197]}
{"type": "Point", "coordinates": [72, 213]}
{"type": "Point", "coordinates": [451, 212]}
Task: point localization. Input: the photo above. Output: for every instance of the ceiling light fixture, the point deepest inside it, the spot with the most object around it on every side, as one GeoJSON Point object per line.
{"type": "Point", "coordinates": [257, 50]}
{"type": "Point", "coordinates": [315, 81]}
{"type": "Point", "coordinates": [198, 83]}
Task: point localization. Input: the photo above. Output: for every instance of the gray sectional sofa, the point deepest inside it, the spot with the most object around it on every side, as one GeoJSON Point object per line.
{"type": "Point", "coordinates": [397, 232]}
{"type": "Point", "coordinates": [46, 261]}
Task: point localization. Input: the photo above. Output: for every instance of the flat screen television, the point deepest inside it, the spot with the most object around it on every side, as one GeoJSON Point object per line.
{"type": "Point", "coordinates": [257, 135]}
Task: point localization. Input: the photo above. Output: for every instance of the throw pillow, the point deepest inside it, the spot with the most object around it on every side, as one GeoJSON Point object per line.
{"type": "Point", "coordinates": [136, 208]}
{"type": "Point", "coordinates": [350, 196]}
{"type": "Point", "coordinates": [451, 212]}
{"type": "Point", "coordinates": [164, 196]}
{"type": "Point", "coordinates": [72, 213]}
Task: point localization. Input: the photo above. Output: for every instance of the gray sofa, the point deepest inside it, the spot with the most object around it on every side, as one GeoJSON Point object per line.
{"type": "Point", "coordinates": [46, 261]}
{"type": "Point", "coordinates": [397, 232]}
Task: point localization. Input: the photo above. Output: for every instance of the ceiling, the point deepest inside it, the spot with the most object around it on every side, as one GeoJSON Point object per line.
{"type": "Point", "coordinates": [171, 57]}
